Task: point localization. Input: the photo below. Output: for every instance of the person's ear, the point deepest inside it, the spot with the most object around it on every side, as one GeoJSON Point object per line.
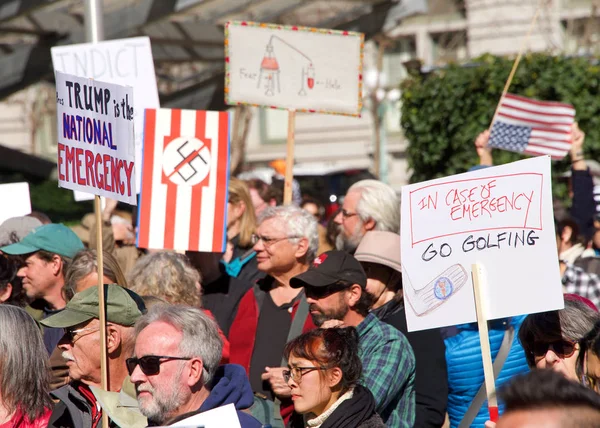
{"type": "Point", "coordinates": [5, 295]}
{"type": "Point", "coordinates": [334, 377]}
{"type": "Point", "coordinates": [369, 224]}
{"type": "Point", "coordinates": [57, 265]}
{"type": "Point", "coordinates": [302, 248]}
{"type": "Point", "coordinates": [113, 339]}
{"type": "Point", "coordinates": [195, 372]}
{"type": "Point", "coordinates": [353, 294]}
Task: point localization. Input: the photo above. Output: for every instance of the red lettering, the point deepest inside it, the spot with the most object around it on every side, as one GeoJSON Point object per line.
{"type": "Point", "coordinates": [99, 177]}
{"type": "Point", "coordinates": [106, 159]}
{"type": "Point", "coordinates": [454, 209]}
{"type": "Point", "coordinates": [61, 149]}
{"type": "Point", "coordinates": [128, 174]}
{"type": "Point", "coordinates": [70, 156]}
{"type": "Point", "coordinates": [80, 180]}
{"type": "Point", "coordinates": [89, 167]}
{"type": "Point", "coordinates": [115, 174]}
{"type": "Point", "coordinates": [471, 194]}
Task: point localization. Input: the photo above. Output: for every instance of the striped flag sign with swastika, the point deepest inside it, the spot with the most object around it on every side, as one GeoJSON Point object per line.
{"type": "Point", "coordinates": [185, 174]}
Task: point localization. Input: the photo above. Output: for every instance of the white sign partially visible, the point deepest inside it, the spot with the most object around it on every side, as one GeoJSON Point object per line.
{"type": "Point", "coordinates": [125, 62]}
{"type": "Point", "coordinates": [95, 137]}
{"type": "Point", "coordinates": [16, 200]}
{"type": "Point", "coordinates": [224, 416]}
{"type": "Point", "coordinates": [499, 217]}
{"type": "Point", "coordinates": [306, 69]}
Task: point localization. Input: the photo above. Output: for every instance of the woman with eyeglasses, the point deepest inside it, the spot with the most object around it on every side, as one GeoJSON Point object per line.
{"type": "Point", "coordinates": [551, 339]}
{"type": "Point", "coordinates": [24, 389]}
{"type": "Point", "coordinates": [323, 373]}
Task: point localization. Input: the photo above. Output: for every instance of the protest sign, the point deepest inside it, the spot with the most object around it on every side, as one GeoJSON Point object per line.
{"type": "Point", "coordinates": [20, 203]}
{"type": "Point", "coordinates": [95, 137]}
{"type": "Point", "coordinates": [500, 218]}
{"type": "Point", "coordinates": [290, 67]}
{"type": "Point", "coordinates": [125, 62]}
{"type": "Point", "coordinates": [183, 202]}
{"type": "Point", "coordinates": [224, 416]}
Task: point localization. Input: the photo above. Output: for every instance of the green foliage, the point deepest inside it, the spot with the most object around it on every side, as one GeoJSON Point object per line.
{"type": "Point", "coordinates": [57, 203]}
{"type": "Point", "coordinates": [443, 112]}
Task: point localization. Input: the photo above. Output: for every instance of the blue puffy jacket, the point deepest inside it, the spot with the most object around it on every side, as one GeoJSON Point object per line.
{"type": "Point", "coordinates": [465, 366]}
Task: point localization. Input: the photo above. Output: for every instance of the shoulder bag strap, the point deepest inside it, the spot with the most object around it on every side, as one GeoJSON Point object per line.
{"type": "Point", "coordinates": [481, 396]}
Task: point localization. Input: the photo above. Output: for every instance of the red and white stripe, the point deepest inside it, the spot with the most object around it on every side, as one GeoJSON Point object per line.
{"type": "Point", "coordinates": [184, 217]}
{"type": "Point", "coordinates": [518, 110]}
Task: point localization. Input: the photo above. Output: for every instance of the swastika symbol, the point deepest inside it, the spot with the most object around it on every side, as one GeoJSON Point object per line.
{"type": "Point", "coordinates": [186, 161]}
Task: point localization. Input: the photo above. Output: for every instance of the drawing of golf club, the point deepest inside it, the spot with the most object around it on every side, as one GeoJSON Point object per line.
{"type": "Point", "coordinates": [438, 291]}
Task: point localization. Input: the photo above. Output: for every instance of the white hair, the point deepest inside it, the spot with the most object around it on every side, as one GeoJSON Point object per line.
{"type": "Point", "coordinates": [297, 222]}
{"type": "Point", "coordinates": [379, 202]}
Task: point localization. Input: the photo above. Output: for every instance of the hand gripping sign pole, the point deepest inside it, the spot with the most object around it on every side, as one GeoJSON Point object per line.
{"type": "Point", "coordinates": [94, 30]}
{"type": "Point", "coordinates": [484, 339]}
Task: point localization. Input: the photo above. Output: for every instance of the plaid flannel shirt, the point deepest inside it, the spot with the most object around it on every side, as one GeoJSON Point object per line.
{"type": "Point", "coordinates": [388, 371]}
{"type": "Point", "coordinates": [577, 281]}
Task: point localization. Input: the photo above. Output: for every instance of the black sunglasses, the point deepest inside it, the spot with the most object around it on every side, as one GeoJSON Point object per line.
{"type": "Point", "coordinates": [150, 364]}
{"type": "Point", "coordinates": [562, 348]}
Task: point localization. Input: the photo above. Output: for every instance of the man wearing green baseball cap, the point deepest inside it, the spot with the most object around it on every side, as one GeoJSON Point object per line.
{"type": "Point", "coordinates": [47, 250]}
{"type": "Point", "coordinates": [81, 347]}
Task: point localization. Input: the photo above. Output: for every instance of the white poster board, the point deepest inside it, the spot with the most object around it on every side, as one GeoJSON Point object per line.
{"type": "Point", "coordinates": [224, 416]}
{"type": "Point", "coordinates": [16, 200]}
{"type": "Point", "coordinates": [125, 62]}
{"type": "Point", "coordinates": [289, 67]}
{"type": "Point", "coordinates": [95, 137]}
{"type": "Point", "coordinates": [500, 217]}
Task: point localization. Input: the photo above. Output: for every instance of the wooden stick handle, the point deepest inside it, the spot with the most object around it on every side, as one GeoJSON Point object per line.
{"type": "Point", "coordinates": [484, 338]}
{"type": "Point", "coordinates": [101, 302]}
{"type": "Point", "coordinates": [289, 160]}
{"type": "Point", "coordinates": [517, 61]}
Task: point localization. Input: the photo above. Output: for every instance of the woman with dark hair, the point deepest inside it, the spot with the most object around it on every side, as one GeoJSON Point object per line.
{"type": "Point", "coordinates": [324, 370]}
{"type": "Point", "coordinates": [11, 287]}
{"type": "Point", "coordinates": [551, 339]}
{"type": "Point", "coordinates": [24, 398]}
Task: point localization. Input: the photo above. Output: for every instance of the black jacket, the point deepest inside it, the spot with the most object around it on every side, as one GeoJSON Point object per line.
{"type": "Point", "coordinates": [73, 410]}
{"type": "Point", "coordinates": [431, 377]}
{"type": "Point", "coordinates": [356, 412]}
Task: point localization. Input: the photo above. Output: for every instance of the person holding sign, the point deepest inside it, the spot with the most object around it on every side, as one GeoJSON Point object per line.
{"type": "Point", "coordinates": [77, 406]}
{"type": "Point", "coordinates": [335, 287]}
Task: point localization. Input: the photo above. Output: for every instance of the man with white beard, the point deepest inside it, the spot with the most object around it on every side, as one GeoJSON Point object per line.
{"type": "Point", "coordinates": [368, 205]}
{"type": "Point", "coordinates": [176, 369]}
{"type": "Point", "coordinates": [81, 347]}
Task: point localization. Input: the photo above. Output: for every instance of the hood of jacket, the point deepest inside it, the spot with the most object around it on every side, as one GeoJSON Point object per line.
{"type": "Point", "coordinates": [230, 385]}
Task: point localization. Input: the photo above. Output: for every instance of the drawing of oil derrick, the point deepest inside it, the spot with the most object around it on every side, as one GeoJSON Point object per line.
{"type": "Point", "coordinates": [270, 67]}
{"type": "Point", "coordinates": [437, 292]}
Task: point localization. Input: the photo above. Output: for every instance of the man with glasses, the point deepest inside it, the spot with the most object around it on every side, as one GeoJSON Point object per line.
{"type": "Point", "coordinates": [335, 288]}
{"type": "Point", "coordinates": [272, 312]}
{"type": "Point", "coordinates": [176, 368]}
{"type": "Point", "coordinates": [81, 347]}
{"type": "Point", "coordinates": [368, 205]}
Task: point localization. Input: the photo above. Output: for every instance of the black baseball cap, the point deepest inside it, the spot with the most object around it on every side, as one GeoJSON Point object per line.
{"type": "Point", "coordinates": [330, 268]}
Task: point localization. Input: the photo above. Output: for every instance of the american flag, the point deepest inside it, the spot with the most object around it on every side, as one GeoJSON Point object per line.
{"type": "Point", "coordinates": [533, 127]}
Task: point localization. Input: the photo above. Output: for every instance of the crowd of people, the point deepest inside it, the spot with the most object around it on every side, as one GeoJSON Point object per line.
{"type": "Point", "coordinates": [299, 323]}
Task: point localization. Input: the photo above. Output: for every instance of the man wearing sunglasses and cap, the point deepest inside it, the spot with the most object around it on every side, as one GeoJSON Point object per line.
{"type": "Point", "coordinates": [81, 347]}
{"type": "Point", "coordinates": [335, 288]}
{"type": "Point", "coordinates": [176, 369]}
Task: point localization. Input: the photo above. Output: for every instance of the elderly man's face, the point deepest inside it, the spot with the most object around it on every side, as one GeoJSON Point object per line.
{"type": "Point", "coordinates": [274, 251]}
{"type": "Point", "coordinates": [80, 346]}
{"type": "Point", "coordinates": [351, 227]}
{"type": "Point", "coordinates": [161, 395]}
